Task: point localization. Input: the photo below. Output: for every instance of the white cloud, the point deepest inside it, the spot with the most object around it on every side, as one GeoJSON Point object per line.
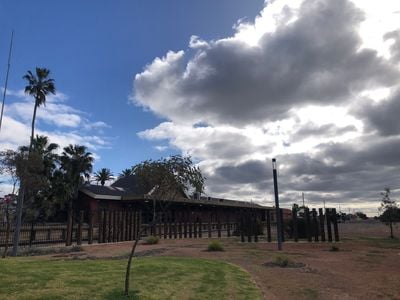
{"type": "Point", "coordinates": [67, 124]}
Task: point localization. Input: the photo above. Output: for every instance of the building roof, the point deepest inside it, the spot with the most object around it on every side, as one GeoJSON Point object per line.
{"type": "Point", "coordinates": [127, 189]}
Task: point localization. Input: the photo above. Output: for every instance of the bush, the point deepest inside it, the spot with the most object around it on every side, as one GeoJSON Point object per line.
{"type": "Point", "coordinates": [334, 249]}
{"type": "Point", "coordinates": [282, 261]}
{"type": "Point", "coordinates": [152, 240]}
{"type": "Point", "coordinates": [215, 246]}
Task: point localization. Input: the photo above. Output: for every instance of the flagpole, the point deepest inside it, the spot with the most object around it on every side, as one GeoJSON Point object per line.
{"type": "Point", "coordinates": [6, 83]}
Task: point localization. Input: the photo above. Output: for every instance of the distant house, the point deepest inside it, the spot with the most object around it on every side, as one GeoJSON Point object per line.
{"type": "Point", "coordinates": [125, 193]}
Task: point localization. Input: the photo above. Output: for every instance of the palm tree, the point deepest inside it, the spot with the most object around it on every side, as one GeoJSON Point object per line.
{"type": "Point", "coordinates": [76, 164]}
{"type": "Point", "coordinates": [103, 175]}
{"type": "Point", "coordinates": [39, 86]}
{"type": "Point", "coordinates": [46, 150]}
{"type": "Point", "coordinates": [125, 172]}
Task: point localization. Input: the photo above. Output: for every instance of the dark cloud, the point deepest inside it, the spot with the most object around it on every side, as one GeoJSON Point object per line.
{"type": "Point", "coordinates": [383, 116]}
{"type": "Point", "coordinates": [252, 171]}
{"type": "Point", "coordinates": [395, 47]}
{"type": "Point", "coordinates": [343, 170]}
{"type": "Point", "coordinates": [313, 60]}
{"type": "Point", "coordinates": [318, 131]}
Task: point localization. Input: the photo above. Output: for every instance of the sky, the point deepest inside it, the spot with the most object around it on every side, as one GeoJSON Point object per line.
{"type": "Point", "coordinates": [314, 83]}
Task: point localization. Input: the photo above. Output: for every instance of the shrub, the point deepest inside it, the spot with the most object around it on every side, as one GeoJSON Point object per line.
{"type": "Point", "coordinates": [282, 261]}
{"type": "Point", "coordinates": [215, 246]}
{"type": "Point", "coordinates": [334, 249]}
{"type": "Point", "coordinates": [151, 240]}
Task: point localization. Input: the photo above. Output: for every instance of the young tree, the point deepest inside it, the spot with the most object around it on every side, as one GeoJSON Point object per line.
{"type": "Point", "coordinates": [8, 167]}
{"type": "Point", "coordinates": [165, 178]}
{"type": "Point", "coordinates": [103, 175]}
{"type": "Point", "coordinates": [390, 210]}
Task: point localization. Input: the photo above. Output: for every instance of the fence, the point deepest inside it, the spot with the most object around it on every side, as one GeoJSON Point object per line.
{"type": "Point", "coordinates": [107, 226]}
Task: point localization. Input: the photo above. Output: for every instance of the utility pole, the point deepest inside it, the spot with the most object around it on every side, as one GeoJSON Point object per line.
{"type": "Point", "coordinates": [6, 83]}
{"type": "Point", "coordinates": [303, 198]}
{"type": "Point", "coordinates": [277, 210]}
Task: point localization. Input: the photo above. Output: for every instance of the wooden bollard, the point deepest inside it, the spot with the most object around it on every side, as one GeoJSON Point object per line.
{"type": "Point", "coordinates": [175, 230]}
{"type": "Point", "coordinates": [190, 228]}
{"type": "Point", "coordinates": [241, 228]}
{"type": "Point", "coordinates": [68, 240]}
{"type": "Point", "coordinates": [194, 227]}
{"type": "Point", "coordinates": [130, 225]}
{"type": "Point", "coordinates": [110, 226]}
{"type": "Point", "coordinates": [282, 225]}
{"type": "Point", "coordinates": [200, 228]}
{"type": "Point", "coordinates": [218, 226]}
{"type": "Point", "coordinates": [119, 226]}
{"type": "Point", "coordinates": [101, 232]}
{"type": "Point", "coordinates": [185, 226]}
{"type": "Point", "coordinates": [228, 227]}
{"type": "Point", "coordinates": [321, 224]}
{"type": "Point", "coordinates": [248, 225]}
{"type": "Point", "coordinates": [335, 225]}
{"type": "Point", "coordinates": [269, 226]}
{"type": "Point", "coordinates": [159, 225]}
{"type": "Point", "coordinates": [209, 226]}
{"type": "Point", "coordinates": [169, 225]}
{"type": "Point", "coordinates": [295, 228]}
{"type": "Point", "coordinates": [105, 227]}
{"type": "Point", "coordinates": [79, 229]}
{"type": "Point", "coordinates": [133, 225]}
{"type": "Point", "coordinates": [90, 230]}
{"type": "Point", "coordinates": [123, 226]}
{"type": "Point", "coordinates": [308, 224]}
{"type": "Point", "coordinates": [315, 225]}
{"type": "Point", "coordinates": [328, 224]}
{"type": "Point", "coordinates": [255, 227]}
{"type": "Point", "coordinates": [139, 224]}
{"type": "Point", "coordinates": [165, 226]}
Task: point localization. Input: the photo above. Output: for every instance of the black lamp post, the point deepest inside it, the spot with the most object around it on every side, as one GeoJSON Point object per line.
{"type": "Point", "coordinates": [277, 210]}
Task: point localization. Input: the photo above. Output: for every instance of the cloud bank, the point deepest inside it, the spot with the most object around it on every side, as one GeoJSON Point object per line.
{"type": "Point", "coordinates": [302, 82]}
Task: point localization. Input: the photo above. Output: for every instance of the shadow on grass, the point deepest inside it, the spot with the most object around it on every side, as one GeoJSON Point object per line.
{"type": "Point", "coordinates": [118, 294]}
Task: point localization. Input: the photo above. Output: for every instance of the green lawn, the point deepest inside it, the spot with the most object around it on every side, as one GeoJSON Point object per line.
{"type": "Point", "coordinates": [151, 278]}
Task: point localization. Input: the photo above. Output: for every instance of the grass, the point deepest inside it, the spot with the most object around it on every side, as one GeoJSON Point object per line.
{"type": "Point", "coordinates": [151, 278]}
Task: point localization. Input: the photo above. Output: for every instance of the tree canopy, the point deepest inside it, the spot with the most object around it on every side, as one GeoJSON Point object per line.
{"type": "Point", "coordinates": [103, 175]}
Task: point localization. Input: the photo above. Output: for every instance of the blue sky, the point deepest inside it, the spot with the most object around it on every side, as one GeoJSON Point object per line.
{"type": "Point", "coordinates": [314, 83]}
{"type": "Point", "coordinates": [94, 49]}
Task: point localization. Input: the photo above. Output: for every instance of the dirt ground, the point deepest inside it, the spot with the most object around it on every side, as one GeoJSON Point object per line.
{"type": "Point", "coordinates": [367, 265]}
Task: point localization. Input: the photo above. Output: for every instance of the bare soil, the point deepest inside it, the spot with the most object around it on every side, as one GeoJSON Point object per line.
{"type": "Point", "coordinates": [367, 265]}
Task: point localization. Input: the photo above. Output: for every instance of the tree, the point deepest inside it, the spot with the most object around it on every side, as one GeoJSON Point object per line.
{"type": "Point", "coordinates": [39, 86]}
{"type": "Point", "coordinates": [8, 166]}
{"type": "Point", "coordinates": [125, 172]}
{"type": "Point", "coordinates": [103, 175]}
{"type": "Point", "coordinates": [390, 210]}
{"type": "Point", "coordinates": [40, 195]}
{"type": "Point", "coordinates": [76, 164]}
{"type": "Point", "coordinates": [166, 178]}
